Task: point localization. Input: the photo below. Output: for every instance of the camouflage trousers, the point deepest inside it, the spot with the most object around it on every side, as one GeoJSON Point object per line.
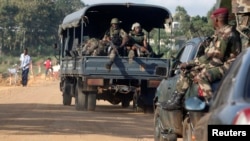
{"type": "Point", "coordinates": [209, 75]}
{"type": "Point", "coordinates": [205, 78]}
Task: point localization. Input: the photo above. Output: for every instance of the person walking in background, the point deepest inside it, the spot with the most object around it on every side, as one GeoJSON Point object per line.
{"type": "Point", "coordinates": [25, 60]}
{"type": "Point", "coordinates": [48, 66]}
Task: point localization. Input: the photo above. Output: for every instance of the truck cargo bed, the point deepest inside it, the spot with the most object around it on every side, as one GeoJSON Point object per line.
{"type": "Point", "coordinates": [123, 67]}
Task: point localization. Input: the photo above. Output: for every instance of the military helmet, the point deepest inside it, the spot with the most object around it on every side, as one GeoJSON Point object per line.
{"type": "Point", "coordinates": [115, 21]}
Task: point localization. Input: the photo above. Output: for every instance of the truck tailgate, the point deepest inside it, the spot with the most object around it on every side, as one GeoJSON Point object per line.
{"type": "Point", "coordinates": [122, 67]}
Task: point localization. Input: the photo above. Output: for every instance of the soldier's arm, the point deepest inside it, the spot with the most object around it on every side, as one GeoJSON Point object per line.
{"type": "Point", "coordinates": [106, 36]}
{"type": "Point", "coordinates": [124, 36]}
{"type": "Point", "coordinates": [145, 42]}
{"type": "Point", "coordinates": [231, 47]}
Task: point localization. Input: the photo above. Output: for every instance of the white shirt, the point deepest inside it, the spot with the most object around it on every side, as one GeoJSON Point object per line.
{"type": "Point", "coordinates": [25, 61]}
{"type": "Point", "coordinates": [21, 57]}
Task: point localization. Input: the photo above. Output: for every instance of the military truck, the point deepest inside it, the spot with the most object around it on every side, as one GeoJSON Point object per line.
{"type": "Point", "coordinates": [85, 78]}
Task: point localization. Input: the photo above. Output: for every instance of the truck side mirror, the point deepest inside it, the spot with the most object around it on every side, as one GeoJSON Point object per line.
{"type": "Point", "coordinates": [195, 104]}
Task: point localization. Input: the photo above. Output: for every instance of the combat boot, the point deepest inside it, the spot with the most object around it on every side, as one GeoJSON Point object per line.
{"type": "Point", "coordinates": [175, 103]}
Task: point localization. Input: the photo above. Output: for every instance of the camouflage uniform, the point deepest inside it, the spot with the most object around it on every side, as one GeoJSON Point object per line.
{"type": "Point", "coordinates": [241, 9]}
{"type": "Point", "coordinates": [186, 77]}
{"type": "Point", "coordinates": [212, 66]}
{"type": "Point", "coordinates": [221, 53]}
{"type": "Point", "coordinates": [117, 39]}
{"type": "Point", "coordinates": [90, 46]}
{"type": "Point", "coordinates": [95, 47]}
{"type": "Point", "coordinates": [115, 35]}
{"type": "Point", "coordinates": [137, 39]}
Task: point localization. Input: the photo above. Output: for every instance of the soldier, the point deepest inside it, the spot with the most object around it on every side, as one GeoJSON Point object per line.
{"type": "Point", "coordinates": [223, 49]}
{"type": "Point", "coordinates": [117, 37]}
{"type": "Point", "coordinates": [241, 9]}
{"type": "Point", "coordinates": [95, 47]}
{"type": "Point", "coordinates": [138, 40]}
{"type": "Point", "coordinates": [90, 47]}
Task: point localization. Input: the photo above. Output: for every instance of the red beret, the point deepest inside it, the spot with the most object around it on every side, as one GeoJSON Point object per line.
{"type": "Point", "coordinates": [220, 11]}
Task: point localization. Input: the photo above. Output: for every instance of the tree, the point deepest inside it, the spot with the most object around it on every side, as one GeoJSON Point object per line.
{"type": "Point", "coordinates": [32, 24]}
{"type": "Point", "coordinates": [8, 26]}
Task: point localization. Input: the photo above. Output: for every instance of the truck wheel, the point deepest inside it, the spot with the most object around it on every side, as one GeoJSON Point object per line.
{"type": "Point", "coordinates": [91, 102]}
{"type": "Point", "coordinates": [187, 130]}
{"type": "Point", "coordinates": [67, 98]}
{"type": "Point", "coordinates": [80, 97]}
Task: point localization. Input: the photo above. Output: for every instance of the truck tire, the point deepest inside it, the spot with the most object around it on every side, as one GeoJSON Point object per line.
{"type": "Point", "coordinates": [187, 130]}
{"type": "Point", "coordinates": [67, 98]}
{"type": "Point", "coordinates": [91, 102]}
{"type": "Point", "coordinates": [80, 97]}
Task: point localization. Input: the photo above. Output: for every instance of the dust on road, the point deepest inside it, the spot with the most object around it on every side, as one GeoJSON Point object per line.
{"type": "Point", "coordinates": [36, 113]}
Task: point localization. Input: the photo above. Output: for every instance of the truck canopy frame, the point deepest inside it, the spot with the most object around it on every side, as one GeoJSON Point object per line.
{"type": "Point", "coordinates": [97, 17]}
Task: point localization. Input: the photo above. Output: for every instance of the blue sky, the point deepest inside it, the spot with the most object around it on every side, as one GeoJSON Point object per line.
{"type": "Point", "coordinates": [193, 7]}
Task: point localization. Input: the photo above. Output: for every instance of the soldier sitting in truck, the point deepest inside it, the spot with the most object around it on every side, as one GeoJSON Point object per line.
{"type": "Point", "coordinates": [95, 47]}
{"type": "Point", "coordinates": [117, 38]}
{"type": "Point", "coordinates": [138, 44]}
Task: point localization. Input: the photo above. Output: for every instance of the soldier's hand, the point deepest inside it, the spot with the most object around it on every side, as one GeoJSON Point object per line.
{"type": "Point", "coordinates": [134, 47]}
{"type": "Point", "coordinates": [143, 49]}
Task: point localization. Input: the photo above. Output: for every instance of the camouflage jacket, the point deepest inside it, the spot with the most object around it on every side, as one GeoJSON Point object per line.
{"type": "Point", "coordinates": [115, 35]}
{"type": "Point", "coordinates": [137, 38]}
{"type": "Point", "coordinates": [224, 47]}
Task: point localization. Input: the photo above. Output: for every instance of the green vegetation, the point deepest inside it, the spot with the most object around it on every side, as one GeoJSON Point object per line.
{"type": "Point", "coordinates": [33, 24]}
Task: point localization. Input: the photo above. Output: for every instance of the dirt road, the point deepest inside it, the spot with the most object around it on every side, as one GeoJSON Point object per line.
{"type": "Point", "coordinates": [36, 113]}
